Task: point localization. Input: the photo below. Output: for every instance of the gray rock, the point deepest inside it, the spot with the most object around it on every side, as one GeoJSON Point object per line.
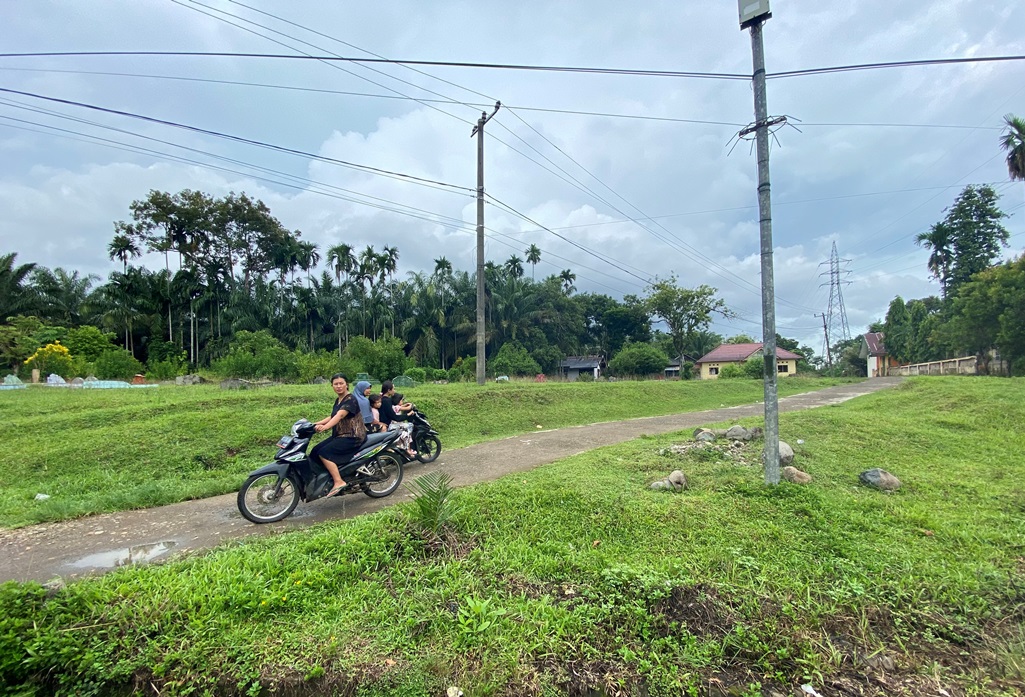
{"type": "Point", "coordinates": [678, 479]}
{"type": "Point", "coordinates": [705, 436]}
{"type": "Point", "coordinates": [794, 475]}
{"type": "Point", "coordinates": [736, 433]}
{"type": "Point", "coordinates": [661, 485]}
{"type": "Point", "coordinates": [319, 380]}
{"type": "Point", "coordinates": [233, 384]}
{"type": "Point", "coordinates": [880, 479]}
{"type": "Point", "coordinates": [188, 380]}
{"type": "Point", "coordinates": [701, 429]}
{"type": "Point", "coordinates": [756, 432]}
{"type": "Point", "coordinates": [786, 453]}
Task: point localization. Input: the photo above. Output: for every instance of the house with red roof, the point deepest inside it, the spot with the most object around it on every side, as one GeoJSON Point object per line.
{"type": "Point", "coordinates": [713, 362]}
{"type": "Point", "coordinates": [873, 350]}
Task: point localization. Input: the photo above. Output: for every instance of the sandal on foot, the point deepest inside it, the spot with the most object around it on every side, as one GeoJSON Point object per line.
{"type": "Point", "coordinates": [338, 488]}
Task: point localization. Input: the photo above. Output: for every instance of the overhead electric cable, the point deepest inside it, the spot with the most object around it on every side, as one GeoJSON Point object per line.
{"type": "Point", "coordinates": [537, 68]}
{"type": "Point", "coordinates": [431, 183]}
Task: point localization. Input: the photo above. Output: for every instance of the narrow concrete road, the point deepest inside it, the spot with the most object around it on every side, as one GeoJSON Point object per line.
{"type": "Point", "coordinates": [100, 543]}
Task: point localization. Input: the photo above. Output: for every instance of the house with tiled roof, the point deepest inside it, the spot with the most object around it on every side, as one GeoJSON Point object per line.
{"type": "Point", "coordinates": [709, 365]}
{"type": "Point", "coordinates": [873, 350]}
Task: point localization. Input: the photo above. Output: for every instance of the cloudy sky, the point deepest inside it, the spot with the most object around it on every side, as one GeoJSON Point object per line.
{"type": "Point", "coordinates": [642, 171]}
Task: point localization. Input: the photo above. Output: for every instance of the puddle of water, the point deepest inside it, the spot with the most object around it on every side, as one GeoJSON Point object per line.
{"type": "Point", "coordinates": [140, 554]}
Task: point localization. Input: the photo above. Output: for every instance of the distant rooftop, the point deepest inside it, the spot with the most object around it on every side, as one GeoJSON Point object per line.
{"type": "Point", "coordinates": [738, 353]}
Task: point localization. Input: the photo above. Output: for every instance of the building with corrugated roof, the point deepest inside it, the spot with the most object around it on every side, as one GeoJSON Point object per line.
{"type": "Point", "coordinates": [715, 360]}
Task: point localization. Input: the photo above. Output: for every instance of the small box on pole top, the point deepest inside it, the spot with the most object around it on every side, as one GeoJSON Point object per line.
{"type": "Point", "coordinates": [752, 11]}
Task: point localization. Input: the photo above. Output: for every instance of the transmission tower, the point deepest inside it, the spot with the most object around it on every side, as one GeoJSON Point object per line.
{"type": "Point", "coordinates": [835, 321]}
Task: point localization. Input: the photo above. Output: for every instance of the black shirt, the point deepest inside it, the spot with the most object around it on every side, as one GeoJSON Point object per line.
{"type": "Point", "coordinates": [386, 412]}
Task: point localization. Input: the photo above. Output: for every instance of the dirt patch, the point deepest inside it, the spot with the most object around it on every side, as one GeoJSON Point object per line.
{"type": "Point", "coordinates": [698, 608]}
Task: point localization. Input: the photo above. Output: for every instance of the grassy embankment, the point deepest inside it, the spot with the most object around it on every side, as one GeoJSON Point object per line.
{"type": "Point", "coordinates": [577, 577]}
{"type": "Point", "coordinates": [96, 451]}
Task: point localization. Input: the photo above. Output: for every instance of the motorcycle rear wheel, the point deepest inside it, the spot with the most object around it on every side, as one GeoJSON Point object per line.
{"type": "Point", "coordinates": [259, 504]}
{"type": "Point", "coordinates": [386, 472]}
{"type": "Point", "coordinates": [427, 448]}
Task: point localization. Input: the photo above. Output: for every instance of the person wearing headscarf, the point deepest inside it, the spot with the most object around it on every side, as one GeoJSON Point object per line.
{"type": "Point", "coordinates": [362, 393]}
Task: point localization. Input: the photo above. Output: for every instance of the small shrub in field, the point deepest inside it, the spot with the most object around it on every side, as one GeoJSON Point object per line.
{"type": "Point", "coordinates": [52, 358]}
{"type": "Point", "coordinates": [639, 359]}
{"type": "Point", "coordinates": [322, 364]}
{"type": "Point", "coordinates": [162, 370]}
{"type": "Point", "coordinates": [513, 359]}
{"type": "Point", "coordinates": [732, 372]}
{"type": "Point", "coordinates": [257, 355]}
{"type": "Point", "coordinates": [117, 364]}
{"type": "Point", "coordinates": [433, 506]}
{"type": "Point", "coordinates": [418, 374]}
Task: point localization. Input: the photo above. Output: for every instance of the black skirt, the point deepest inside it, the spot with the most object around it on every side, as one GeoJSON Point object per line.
{"type": "Point", "coordinates": [336, 449]}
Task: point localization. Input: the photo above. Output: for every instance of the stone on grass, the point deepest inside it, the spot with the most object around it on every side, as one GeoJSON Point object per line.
{"type": "Point", "coordinates": [795, 476]}
{"type": "Point", "coordinates": [880, 479]}
{"type": "Point", "coordinates": [678, 479]}
{"type": "Point", "coordinates": [704, 436]}
{"type": "Point", "coordinates": [188, 380]}
{"type": "Point", "coordinates": [738, 433]}
{"type": "Point", "coordinates": [786, 453]}
{"type": "Point", "coordinates": [661, 485]}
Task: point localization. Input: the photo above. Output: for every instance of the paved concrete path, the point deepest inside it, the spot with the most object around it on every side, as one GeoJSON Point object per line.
{"type": "Point", "coordinates": [100, 543]}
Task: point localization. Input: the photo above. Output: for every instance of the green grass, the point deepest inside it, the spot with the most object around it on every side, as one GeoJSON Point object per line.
{"type": "Point", "coordinates": [576, 578]}
{"type": "Point", "coordinates": [96, 451]}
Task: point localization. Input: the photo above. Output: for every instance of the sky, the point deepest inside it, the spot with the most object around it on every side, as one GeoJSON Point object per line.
{"type": "Point", "coordinates": [623, 179]}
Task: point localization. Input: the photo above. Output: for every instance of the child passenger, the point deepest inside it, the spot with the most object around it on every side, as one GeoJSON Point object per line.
{"type": "Point", "coordinates": [375, 426]}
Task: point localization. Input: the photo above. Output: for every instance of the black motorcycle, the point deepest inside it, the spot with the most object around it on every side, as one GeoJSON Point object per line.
{"type": "Point", "coordinates": [425, 439]}
{"type": "Point", "coordinates": [272, 492]}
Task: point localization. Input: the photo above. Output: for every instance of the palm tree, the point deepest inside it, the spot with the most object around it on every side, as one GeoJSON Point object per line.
{"type": "Point", "coordinates": [442, 266]}
{"type": "Point", "coordinates": [14, 298]}
{"type": "Point", "coordinates": [533, 257]}
{"type": "Point", "coordinates": [567, 277]}
{"type": "Point", "coordinates": [341, 258]}
{"type": "Point", "coordinates": [1013, 142]}
{"type": "Point", "coordinates": [64, 297]}
{"type": "Point", "coordinates": [940, 239]}
{"type": "Point", "coordinates": [308, 258]}
{"type": "Point", "coordinates": [514, 265]}
{"type": "Point", "coordinates": [123, 247]}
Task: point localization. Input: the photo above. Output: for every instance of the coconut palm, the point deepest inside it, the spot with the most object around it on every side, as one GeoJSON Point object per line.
{"type": "Point", "coordinates": [533, 257]}
{"type": "Point", "coordinates": [940, 239]}
{"type": "Point", "coordinates": [1013, 143]}
{"type": "Point", "coordinates": [342, 260]}
{"type": "Point", "coordinates": [308, 258]}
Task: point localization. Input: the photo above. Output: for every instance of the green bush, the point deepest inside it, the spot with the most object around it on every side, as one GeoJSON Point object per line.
{"type": "Point", "coordinates": [513, 359]}
{"type": "Point", "coordinates": [88, 342]}
{"type": "Point", "coordinates": [52, 358]}
{"type": "Point", "coordinates": [322, 364]}
{"type": "Point", "coordinates": [383, 359]}
{"type": "Point", "coordinates": [257, 355]}
{"type": "Point", "coordinates": [163, 370]}
{"type": "Point", "coordinates": [463, 370]}
{"type": "Point", "coordinates": [437, 374]}
{"type": "Point", "coordinates": [639, 359]}
{"type": "Point", "coordinates": [417, 374]}
{"type": "Point", "coordinates": [117, 364]}
{"type": "Point", "coordinates": [732, 371]}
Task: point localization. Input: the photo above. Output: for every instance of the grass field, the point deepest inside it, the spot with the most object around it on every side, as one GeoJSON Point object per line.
{"type": "Point", "coordinates": [576, 578]}
{"type": "Point", "coordinates": [96, 451]}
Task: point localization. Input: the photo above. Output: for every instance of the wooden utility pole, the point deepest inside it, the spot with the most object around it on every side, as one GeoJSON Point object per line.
{"type": "Point", "coordinates": [478, 131]}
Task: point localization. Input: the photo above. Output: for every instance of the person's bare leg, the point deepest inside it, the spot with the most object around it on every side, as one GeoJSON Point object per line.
{"type": "Point", "coordinates": [332, 469]}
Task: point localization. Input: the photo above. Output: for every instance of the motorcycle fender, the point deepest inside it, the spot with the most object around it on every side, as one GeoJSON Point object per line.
{"type": "Point", "coordinates": [278, 468]}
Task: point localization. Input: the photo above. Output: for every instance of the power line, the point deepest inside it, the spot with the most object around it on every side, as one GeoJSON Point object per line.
{"type": "Point", "coordinates": [535, 68]}
{"type": "Point", "coordinates": [431, 183]}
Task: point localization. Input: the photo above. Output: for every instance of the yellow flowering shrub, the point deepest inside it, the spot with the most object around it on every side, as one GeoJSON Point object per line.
{"type": "Point", "coordinates": [52, 358]}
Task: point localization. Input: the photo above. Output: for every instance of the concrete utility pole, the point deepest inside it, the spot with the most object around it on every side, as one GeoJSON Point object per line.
{"type": "Point", "coordinates": [753, 14]}
{"type": "Point", "coordinates": [478, 131]}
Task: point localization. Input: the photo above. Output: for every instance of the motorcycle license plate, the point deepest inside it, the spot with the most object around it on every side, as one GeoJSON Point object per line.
{"type": "Point", "coordinates": [285, 441]}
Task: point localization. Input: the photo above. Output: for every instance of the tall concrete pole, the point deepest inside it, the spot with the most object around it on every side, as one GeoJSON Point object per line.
{"type": "Point", "coordinates": [770, 455]}
{"type": "Point", "coordinates": [479, 132]}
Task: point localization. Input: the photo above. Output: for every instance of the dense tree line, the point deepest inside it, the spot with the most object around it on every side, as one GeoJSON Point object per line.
{"type": "Point", "coordinates": [234, 278]}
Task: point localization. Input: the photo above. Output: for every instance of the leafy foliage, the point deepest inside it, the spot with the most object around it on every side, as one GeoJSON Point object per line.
{"type": "Point", "coordinates": [52, 358]}
{"type": "Point", "coordinates": [433, 504]}
{"type": "Point", "coordinates": [117, 364]}
{"type": "Point", "coordinates": [513, 359]}
{"type": "Point", "coordinates": [639, 359]}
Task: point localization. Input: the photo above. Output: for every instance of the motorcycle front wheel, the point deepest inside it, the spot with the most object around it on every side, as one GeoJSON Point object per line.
{"type": "Point", "coordinates": [385, 476]}
{"type": "Point", "coordinates": [427, 448]}
{"type": "Point", "coordinates": [260, 502]}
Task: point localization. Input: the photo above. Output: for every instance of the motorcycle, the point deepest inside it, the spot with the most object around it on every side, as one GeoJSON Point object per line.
{"type": "Point", "coordinates": [272, 492]}
{"type": "Point", "coordinates": [425, 439]}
